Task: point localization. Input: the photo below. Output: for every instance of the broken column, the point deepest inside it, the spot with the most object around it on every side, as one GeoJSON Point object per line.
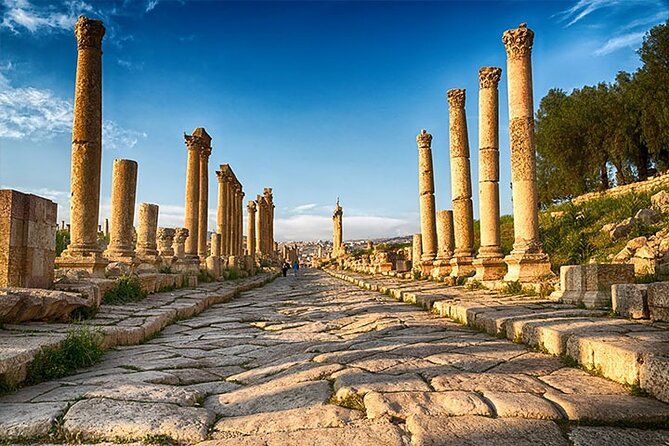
{"type": "Point", "coordinates": [124, 186]}
{"type": "Point", "coordinates": [416, 252]}
{"type": "Point", "coordinates": [84, 251]}
{"type": "Point", "coordinates": [489, 261]}
{"type": "Point", "coordinates": [165, 238]}
{"type": "Point", "coordinates": [147, 248]}
{"type": "Point", "coordinates": [213, 261]}
{"type": "Point", "coordinates": [527, 262]}
{"type": "Point", "coordinates": [426, 190]}
{"type": "Point", "coordinates": [203, 195]}
{"type": "Point", "coordinates": [337, 232]}
{"type": "Point", "coordinates": [192, 206]}
{"type": "Point", "coordinates": [180, 237]}
{"type": "Point", "coordinates": [27, 240]}
{"type": "Point", "coordinates": [445, 238]}
{"type": "Point", "coordinates": [461, 185]}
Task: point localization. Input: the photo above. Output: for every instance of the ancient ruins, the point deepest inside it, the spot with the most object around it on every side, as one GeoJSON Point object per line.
{"type": "Point", "coordinates": [174, 341]}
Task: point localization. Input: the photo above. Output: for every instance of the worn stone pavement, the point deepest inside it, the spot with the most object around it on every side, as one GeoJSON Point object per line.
{"type": "Point", "coordinates": [313, 360]}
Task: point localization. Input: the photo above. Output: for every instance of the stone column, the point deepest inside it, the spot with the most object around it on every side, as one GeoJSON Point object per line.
{"type": "Point", "coordinates": [260, 225]}
{"type": "Point", "coordinates": [180, 237]}
{"type": "Point", "coordinates": [191, 218]}
{"type": "Point", "coordinates": [426, 191]}
{"type": "Point", "coordinates": [147, 249]}
{"type": "Point", "coordinates": [240, 222]}
{"type": "Point", "coordinates": [445, 238]}
{"type": "Point", "coordinates": [337, 231]}
{"type": "Point", "coordinates": [251, 209]}
{"type": "Point", "coordinates": [215, 244]}
{"type": "Point", "coordinates": [229, 217]}
{"type": "Point", "coordinates": [83, 251]}
{"type": "Point", "coordinates": [461, 185]}
{"type": "Point", "coordinates": [527, 262]}
{"type": "Point", "coordinates": [106, 230]}
{"type": "Point", "coordinates": [416, 252]}
{"type": "Point", "coordinates": [165, 237]}
{"type": "Point", "coordinates": [489, 264]}
{"type": "Point", "coordinates": [220, 211]}
{"type": "Point", "coordinates": [203, 205]}
{"type": "Point", "coordinates": [124, 185]}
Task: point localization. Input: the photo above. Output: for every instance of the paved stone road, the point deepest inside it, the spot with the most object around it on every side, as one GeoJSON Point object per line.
{"type": "Point", "coordinates": [312, 360]}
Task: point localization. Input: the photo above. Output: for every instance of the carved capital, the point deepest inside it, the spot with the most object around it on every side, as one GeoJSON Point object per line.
{"type": "Point", "coordinates": [456, 97]}
{"type": "Point", "coordinates": [251, 207]}
{"type": "Point", "coordinates": [489, 77]}
{"type": "Point", "coordinates": [205, 151]}
{"type": "Point", "coordinates": [165, 234]}
{"type": "Point", "coordinates": [180, 234]}
{"type": "Point", "coordinates": [424, 140]}
{"type": "Point", "coordinates": [89, 32]}
{"type": "Point", "coordinates": [518, 42]}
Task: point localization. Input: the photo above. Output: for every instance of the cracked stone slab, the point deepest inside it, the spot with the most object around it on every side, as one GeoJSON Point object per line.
{"type": "Point", "coordinates": [483, 431]}
{"type": "Point", "coordinates": [610, 408]}
{"type": "Point", "coordinates": [605, 436]}
{"type": "Point", "coordinates": [351, 381]}
{"type": "Point", "coordinates": [570, 380]}
{"type": "Point", "coordinates": [269, 398]}
{"type": "Point", "coordinates": [363, 433]}
{"type": "Point", "coordinates": [286, 420]}
{"type": "Point", "coordinates": [482, 382]}
{"type": "Point", "coordinates": [522, 405]}
{"type": "Point", "coordinates": [403, 404]}
{"type": "Point", "coordinates": [28, 420]}
{"type": "Point", "coordinates": [148, 393]}
{"type": "Point", "coordinates": [104, 419]}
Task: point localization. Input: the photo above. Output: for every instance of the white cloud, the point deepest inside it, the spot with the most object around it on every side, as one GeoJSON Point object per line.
{"type": "Point", "coordinates": [33, 113]}
{"type": "Point", "coordinates": [304, 207]}
{"type": "Point", "coordinates": [21, 14]}
{"type": "Point", "coordinates": [583, 8]}
{"type": "Point", "coordinates": [150, 5]}
{"type": "Point", "coordinates": [624, 41]}
{"type": "Point", "coordinates": [318, 227]}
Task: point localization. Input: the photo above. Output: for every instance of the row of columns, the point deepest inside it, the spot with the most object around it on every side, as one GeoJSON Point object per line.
{"type": "Point", "coordinates": [447, 237]}
{"type": "Point", "coordinates": [229, 215]}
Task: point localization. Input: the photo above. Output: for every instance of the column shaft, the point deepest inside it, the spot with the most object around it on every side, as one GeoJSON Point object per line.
{"type": "Point", "coordinates": [445, 235]}
{"type": "Point", "coordinates": [192, 198]}
{"type": "Point", "coordinates": [426, 190]}
{"type": "Point", "coordinates": [124, 186]}
{"type": "Point", "coordinates": [147, 229]}
{"type": "Point", "coordinates": [203, 203]}
{"type": "Point", "coordinates": [250, 229]}
{"type": "Point", "coordinates": [220, 212]}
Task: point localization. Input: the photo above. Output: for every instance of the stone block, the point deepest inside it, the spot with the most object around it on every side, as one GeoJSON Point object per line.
{"type": "Point", "coordinates": [590, 285]}
{"type": "Point", "coordinates": [658, 301]}
{"type": "Point", "coordinates": [27, 240]}
{"type": "Point", "coordinates": [148, 282]}
{"type": "Point", "coordinates": [630, 300]}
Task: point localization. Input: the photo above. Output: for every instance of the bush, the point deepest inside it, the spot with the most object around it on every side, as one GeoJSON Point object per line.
{"type": "Point", "coordinates": [233, 274]}
{"type": "Point", "coordinates": [62, 240]}
{"type": "Point", "coordinates": [81, 348]}
{"type": "Point", "coordinates": [205, 277]}
{"type": "Point", "coordinates": [513, 288]}
{"type": "Point", "coordinates": [127, 289]}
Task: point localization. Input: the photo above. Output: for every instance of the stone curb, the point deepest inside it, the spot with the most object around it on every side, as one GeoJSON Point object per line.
{"type": "Point", "coordinates": [586, 336]}
{"type": "Point", "coordinates": [151, 315]}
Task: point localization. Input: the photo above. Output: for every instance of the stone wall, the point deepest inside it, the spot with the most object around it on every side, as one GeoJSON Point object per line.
{"type": "Point", "coordinates": [27, 240]}
{"type": "Point", "coordinates": [651, 184]}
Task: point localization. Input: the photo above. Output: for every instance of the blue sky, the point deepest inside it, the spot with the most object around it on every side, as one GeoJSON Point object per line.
{"type": "Point", "coordinates": [314, 99]}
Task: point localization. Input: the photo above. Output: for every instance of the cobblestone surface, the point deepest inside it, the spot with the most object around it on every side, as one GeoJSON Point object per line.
{"type": "Point", "coordinates": [313, 360]}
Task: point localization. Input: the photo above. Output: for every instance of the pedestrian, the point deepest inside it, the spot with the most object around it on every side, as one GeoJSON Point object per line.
{"type": "Point", "coordinates": [296, 266]}
{"type": "Point", "coordinates": [284, 268]}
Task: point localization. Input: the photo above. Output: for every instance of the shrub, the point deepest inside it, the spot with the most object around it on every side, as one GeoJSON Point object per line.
{"type": "Point", "coordinates": [205, 277]}
{"type": "Point", "coordinates": [62, 240]}
{"type": "Point", "coordinates": [513, 287]}
{"type": "Point", "coordinates": [127, 289]}
{"type": "Point", "coordinates": [166, 270]}
{"type": "Point", "coordinates": [81, 348]}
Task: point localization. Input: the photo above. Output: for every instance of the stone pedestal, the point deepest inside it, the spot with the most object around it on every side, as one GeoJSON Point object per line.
{"type": "Point", "coordinates": [426, 192]}
{"type": "Point", "coordinates": [124, 186]}
{"type": "Point", "coordinates": [461, 185]}
{"type": "Point", "coordinates": [165, 239]}
{"type": "Point", "coordinates": [147, 248]}
{"type": "Point", "coordinates": [84, 251]}
{"type": "Point", "coordinates": [590, 285]}
{"type": "Point", "coordinates": [180, 237]}
{"type": "Point", "coordinates": [27, 240]}
{"type": "Point", "coordinates": [527, 262]}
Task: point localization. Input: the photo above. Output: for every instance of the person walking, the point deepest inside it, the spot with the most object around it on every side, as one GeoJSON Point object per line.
{"type": "Point", "coordinates": [296, 267]}
{"type": "Point", "coordinates": [284, 268]}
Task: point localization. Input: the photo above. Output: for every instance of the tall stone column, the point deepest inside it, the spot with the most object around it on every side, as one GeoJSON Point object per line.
{"type": "Point", "coordinates": [251, 209]}
{"type": "Point", "coordinates": [527, 262]}
{"type": "Point", "coordinates": [124, 186]}
{"type": "Point", "coordinates": [337, 231]}
{"type": "Point", "coordinates": [192, 206]}
{"type": "Point", "coordinates": [220, 210]}
{"type": "Point", "coordinates": [416, 252]}
{"type": "Point", "coordinates": [489, 264]}
{"type": "Point", "coordinates": [147, 248]}
{"type": "Point", "coordinates": [83, 251]}
{"type": "Point", "coordinates": [203, 205]}
{"type": "Point", "coordinates": [215, 244]}
{"type": "Point", "coordinates": [426, 190]}
{"type": "Point", "coordinates": [240, 223]}
{"type": "Point", "coordinates": [461, 185]}
{"type": "Point", "coordinates": [230, 207]}
{"type": "Point", "coordinates": [446, 242]}
{"type": "Point", "coordinates": [165, 237]}
{"type": "Point", "coordinates": [260, 225]}
{"type": "Point", "coordinates": [180, 237]}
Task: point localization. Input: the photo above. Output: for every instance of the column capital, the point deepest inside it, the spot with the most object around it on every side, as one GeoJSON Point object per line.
{"type": "Point", "coordinates": [489, 77]}
{"type": "Point", "coordinates": [205, 151]}
{"type": "Point", "coordinates": [251, 206]}
{"type": "Point", "coordinates": [89, 32]}
{"type": "Point", "coordinates": [518, 41]}
{"type": "Point", "coordinates": [456, 97]}
{"type": "Point", "coordinates": [424, 140]}
{"type": "Point", "coordinates": [192, 142]}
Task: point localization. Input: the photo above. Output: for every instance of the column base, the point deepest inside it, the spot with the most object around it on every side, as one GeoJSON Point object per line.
{"type": "Point", "coordinates": [150, 258]}
{"type": "Point", "coordinates": [462, 266]}
{"type": "Point", "coordinates": [426, 266]}
{"type": "Point", "coordinates": [526, 267]}
{"type": "Point", "coordinates": [93, 262]}
{"type": "Point", "coordinates": [214, 266]}
{"type": "Point", "coordinates": [489, 268]}
{"type": "Point", "coordinates": [442, 268]}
